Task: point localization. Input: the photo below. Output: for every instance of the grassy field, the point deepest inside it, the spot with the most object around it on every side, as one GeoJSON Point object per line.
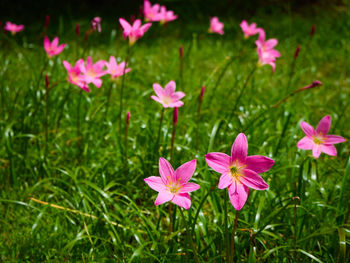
{"type": "Point", "coordinates": [78, 201]}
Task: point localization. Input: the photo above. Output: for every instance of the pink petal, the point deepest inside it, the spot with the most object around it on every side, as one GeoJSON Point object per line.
{"type": "Point", "coordinates": [67, 66]}
{"type": "Point", "coordinates": [157, 99]}
{"type": "Point", "coordinates": [253, 180]}
{"type": "Point", "coordinates": [182, 200]}
{"type": "Point", "coordinates": [178, 95]}
{"type": "Point", "coordinates": [239, 149]}
{"type": "Point", "coordinates": [46, 42]}
{"type": "Point", "coordinates": [306, 143]}
{"type": "Point", "coordinates": [158, 90]}
{"type": "Point", "coordinates": [54, 42]}
{"type": "Point", "coordinates": [307, 128]}
{"type": "Point", "coordinates": [97, 82]}
{"type": "Point", "coordinates": [324, 125]}
{"type": "Point", "coordinates": [176, 104]}
{"type": "Point", "coordinates": [259, 164]}
{"type": "Point", "coordinates": [238, 194]}
{"type": "Point", "coordinates": [271, 43]}
{"type": "Point", "coordinates": [189, 187]}
{"type": "Point", "coordinates": [316, 151]}
{"type": "Point", "coordinates": [333, 139]}
{"type": "Point", "coordinates": [329, 149]}
{"type": "Point", "coordinates": [185, 171]}
{"type": "Point", "coordinates": [225, 180]}
{"type": "Point", "coordinates": [170, 87]}
{"type": "Point", "coordinates": [156, 183]}
{"type": "Point", "coordinates": [145, 27]}
{"type": "Point", "coordinates": [166, 170]}
{"type": "Point", "coordinates": [219, 162]}
{"type": "Point", "coordinates": [126, 26]}
{"type": "Point", "coordinates": [163, 196]}
{"type": "Point", "coordinates": [137, 24]}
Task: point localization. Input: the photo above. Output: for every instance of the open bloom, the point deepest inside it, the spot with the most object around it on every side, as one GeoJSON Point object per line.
{"type": "Point", "coordinates": [96, 24]}
{"type": "Point", "coordinates": [114, 69]}
{"type": "Point", "coordinates": [135, 31]}
{"type": "Point", "coordinates": [151, 12]}
{"type": "Point", "coordinates": [13, 28]}
{"type": "Point", "coordinates": [167, 96]}
{"type": "Point", "coordinates": [74, 74]}
{"type": "Point", "coordinates": [318, 140]}
{"type": "Point", "coordinates": [239, 172]}
{"type": "Point", "coordinates": [263, 44]}
{"type": "Point", "coordinates": [249, 30]}
{"type": "Point", "coordinates": [268, 57]}
{"type": "Point", "coordinates": [93, 72]}
{"type": "Point", "coordinates": [216, 26]}
{"type": "Point", "coordinates": [166, 16]}
{"type": "Point", "coordinates": [173, 185]}
{"type": "Point", "coordinates": [53, 49]}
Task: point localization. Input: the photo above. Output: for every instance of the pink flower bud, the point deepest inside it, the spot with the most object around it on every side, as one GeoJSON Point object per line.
{"type": "Point", "coordinates": [313, 30]}
{"type": "Point", "coordinates": [175, 115]}
{"type": "Point", "coordinates": [181, 52]}
{"type": "Point", "coordinates": [132, 18]}
{"type": "Point", "coordinates": [202, 92]}
{"type": "Point", "coordinates": [296, 54]}
{"type": "Point", "coordinates": [314, 84]}
{"type": "Point", "coordinates": [77, 29]}
{"type": "Point", "coordinates": [47, 82]}
{"type": "Point", "coordinates": [128, 118]}
{"type": "Point", "coordinates": [47, 21]}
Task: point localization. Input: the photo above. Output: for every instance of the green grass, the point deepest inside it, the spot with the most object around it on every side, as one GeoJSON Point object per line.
{"type": "Point", "coordinates": [92, 178]}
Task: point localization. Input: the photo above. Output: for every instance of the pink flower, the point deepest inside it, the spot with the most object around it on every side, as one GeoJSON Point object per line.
{"type": "Point", "coordinates": [249, 30]}
{"type": "Point", "coordinates": [13, 28]}
{"type": "Point", "coordinates": [114, 69]}
{"type": "Point", "coordinates": [135, 31]}
{"type": "Point", "coordinates": [216, 26]}
{"type": "Point", "coordinates": [166, 16]}
{"type": "Point", "coordinates": [318, 140]}
{"type": "Point", "coordinates": [265, 45]}
{"type": "Point", "coordinates": [74, 74]}
{"type": "Point", "coordinates": [152, 13]}
{"type": "Point", "coordinates": [93, 72]}
{"type": "Point", "coordinates": [268, 57]}
{"type": "Point", "coordinates": [96, 24]}
{"type": "Point", "coordinates": [239, 172]}
{"type": "Point", "coordinates": [53, 49]}
{"type": "Point", "coordinates": [167, 96]}
{"type": "Point", "coordinates": [173, 185]}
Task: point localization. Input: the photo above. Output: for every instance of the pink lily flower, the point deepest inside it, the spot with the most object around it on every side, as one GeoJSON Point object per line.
{"type": "Point", "coordinates": [53, 49]}
{"type": "Point", "coordinates": [135, 31]}
{"type": "Point", "coordinates": [151, 12]}
{"type": "Point", "coordinates": [93, 72]}
{"type": "Point", "coordinates": [74, 74]}
{"type": "Point", "coordinates": [265, 45]}
{"type": "Point", "coordinates": [167, 96]}
{"type": "Point", "coordinates": [216, 26]}
{"type": "Point", "coordinates": [13, 28]}
{"type": "Point", "coordinates": [249, 30]}
{"type": "Point", "coordinates": [268, 57]}
{"type": "Point", "coordinates": [96, 24]}
{"type": "Point", "coordinates": [166, 16]}
{"type": "Point", "coordinates": [239, 172]}
{"type": "Point", "coordinates": [114, 69]}
{"type": "Point", "coordinates": [318, 140]}
{"type": "Point", "coordinates": [173, 185]}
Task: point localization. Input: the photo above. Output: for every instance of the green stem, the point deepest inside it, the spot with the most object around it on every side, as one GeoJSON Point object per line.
{"type": "Point", "coordinates": [172, 143]}
{"type": "Point", "coordinates": [188, 231]}
{"type": "Point", "coordinates": [78, 117]}
{"type": "Point", "coordinates": [122, 89]}
{"type": "Point", "coordinates": [159, 129]}
{"type": "Point", "coordinates": [226, 228]}
{"type": "Point", "coordinates": [109, 97]}
{"type": "Point", "coordinates": [233, 237]}
{"type": "Point", "coordinates": [46, 119]}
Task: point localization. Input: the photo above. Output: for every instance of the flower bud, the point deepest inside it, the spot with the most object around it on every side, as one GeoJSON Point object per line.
{"type": "Point", "coordinates": [181, 52]}
{"type": "Point", "coordinates": [77, 29]}
{"type": "Point", "coordinates": [314, 84]}
{"type": "Point", "coordinates": [47, 21]}
{"type": "Point", "coordinates": [175, 115]}
{"type": "Point", "coordinates": [296, 54]}
{"type": "Point", "coordinates": [313, 30]}
{"type": "Point", "coordinates": [128, 118]}
{"type": "Point", "coordinates": [202, 93]}
{"type": "Point", "coordinates": [47, 82]}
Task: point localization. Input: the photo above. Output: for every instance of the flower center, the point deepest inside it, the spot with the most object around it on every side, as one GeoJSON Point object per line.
{"type": "Point", "coordinates": [237, 170]}
{"type": "Point", "coordinates": [173, 187]}
{"type": "Point", "coordinates": [319, 140]}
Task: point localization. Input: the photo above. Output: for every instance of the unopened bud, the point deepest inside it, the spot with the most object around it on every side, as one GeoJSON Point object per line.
{"type": "Point", "coordinates": [128, 118]}
{"type": "Point", "coordinates": [202, 92]}
{"type": "Point", "coordinates": [313, 30]}
{"type": "Point", "coordinates": [296, 54]}
{"type": "Point", "coordinates": [181, 52]}
{"type": "Point", "coordinates": [47, 82]}
{"type": "Point", "coordinates": [47, 21]}
{"type": "Point", "coordinates": [132, 18]}
{"type": "Point", "coordinates": [175, 115]}
{"type": "Point", "coordinates": [314, 84]}
{"type": "Point", "coordinates": [77, 29]}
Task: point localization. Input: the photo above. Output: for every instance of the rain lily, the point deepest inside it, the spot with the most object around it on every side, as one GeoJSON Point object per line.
{"type": "Point", "coordinates": [13, 28]}
{"type": "Point", "coordinates": [53, 49]}
{"type": "Point", "coordinates": [249, 30]}
{"type": "Point", "coordinates": [268, 57]}
{"type": "Point", "coordinates": [74, 74]}
{"type": "Point", "coordinates": [93, 72]}
{"type": "Point", "coordinates": [114, 69]}
{"type": "Point", "coordinates": [263, 44]}
{"type": "Point", "coordinates": [318, 140]}
{"type": "Point", "coordinates": [173, 185]}
{"type": "Point", "coordinates": [216, 26]}
{"type": "Point", "coordinates": [166, 16]}
{"type": "Point", "coordinates": [152, 13]}
{"type": "Point", "coordinates": [167, 96]}
{"type": "Point", "coordinates": [96, 24]}
{"type": "Point", "coordinates": [135, 31]}
{"type": "Point", "coordinates": [239, 172]}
